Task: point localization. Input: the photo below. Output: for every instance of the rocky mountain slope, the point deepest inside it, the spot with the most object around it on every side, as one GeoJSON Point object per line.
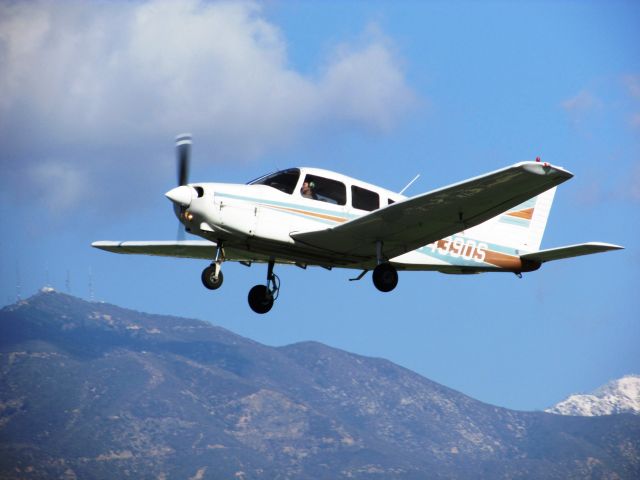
{"type": "Point", "coordinates": [91, 390]}
{"type": "Point", "coordinates": [618, 396]}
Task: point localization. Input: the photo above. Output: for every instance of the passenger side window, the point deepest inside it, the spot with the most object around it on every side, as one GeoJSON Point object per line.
{"type": "Point", "coordinates": [364, 199]}
{"type": "Point", "coordinates": [324, 189]}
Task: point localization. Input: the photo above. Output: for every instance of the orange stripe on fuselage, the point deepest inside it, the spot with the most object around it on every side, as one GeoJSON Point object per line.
{"type": "Point", "coordinates": [503, 260]}
{"type": "Point", "coordinates": [324, 216]}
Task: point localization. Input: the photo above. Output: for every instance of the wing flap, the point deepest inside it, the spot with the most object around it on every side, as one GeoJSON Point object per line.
{"type": "Point", "coordinates": [569, 251]}
{"type": "Point", "coordinates": [420, 220]}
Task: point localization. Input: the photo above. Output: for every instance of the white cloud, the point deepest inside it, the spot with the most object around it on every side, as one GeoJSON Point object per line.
{"type": "Point", "coordinates": [632, 83]}
{"type": "Point", "coordinates": [61, 184]}
{"type": "Point", "coordinates": [79, 79]}
{"type": "Point", "coordinates": [581, 104]}
{"type": "Point", "coordinates": [632, 189]}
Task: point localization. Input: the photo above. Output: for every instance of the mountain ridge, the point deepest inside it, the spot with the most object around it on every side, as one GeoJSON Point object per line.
{"type": "Point", "coordinates": [617, 396]}
{"type": "Point", "coordinates": [95, 390]}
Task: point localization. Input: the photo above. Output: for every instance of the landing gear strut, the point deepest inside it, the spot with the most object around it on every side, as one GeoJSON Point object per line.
{"type": "Point", "coordinates": [212, 277]}
{"type": "Point", "coordinates": [385, 275]}
{"type": "Point", "coordinates": [261, 297]}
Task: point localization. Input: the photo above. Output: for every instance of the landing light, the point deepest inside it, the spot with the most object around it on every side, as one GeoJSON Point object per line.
{"type": "Point", "coordinates": [188, 216]}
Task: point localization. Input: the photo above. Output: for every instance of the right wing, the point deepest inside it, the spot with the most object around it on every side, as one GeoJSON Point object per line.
{"type": "Point", "coordinates": [423, 219]}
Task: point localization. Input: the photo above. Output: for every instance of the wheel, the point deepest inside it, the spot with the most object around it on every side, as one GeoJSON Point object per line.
{"type": "Point", "coordinates": [385, 277]}
{"type": "Point", "coordinates": [209, 280]}
{"type": "Point", "coordinates": [260, 299]}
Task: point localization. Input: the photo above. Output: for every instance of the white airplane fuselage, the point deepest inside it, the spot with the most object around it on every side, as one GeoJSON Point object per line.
{"type": "Point", "coordinates": [261, 219]}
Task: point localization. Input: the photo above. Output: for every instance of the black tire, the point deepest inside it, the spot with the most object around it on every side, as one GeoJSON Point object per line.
{"type": "Point", "coordinates": [385, 277]}
{"type": "Point", "coordinates": [209, 281]}
{"type": "Point", "coordinates": [260, 299]}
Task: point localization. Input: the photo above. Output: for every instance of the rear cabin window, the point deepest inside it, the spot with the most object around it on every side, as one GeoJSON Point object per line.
{"type": "Point", "coordinates": [324, 189]}
{"type": "Point", "coordinates": [285, 180]}
{"type": "Point", "coordinates": [364, 199]}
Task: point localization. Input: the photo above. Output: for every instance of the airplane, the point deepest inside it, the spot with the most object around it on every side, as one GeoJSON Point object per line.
{"type": "Point", "coordinates": [314, 217]}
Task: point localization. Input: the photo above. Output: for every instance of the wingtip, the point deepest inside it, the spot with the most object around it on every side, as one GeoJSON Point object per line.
{"type": "Point", "coordinates": [604, 247]}
{"type": "Point", "coordinates": [607, 246]}
{"type": "Point", "coordinates": [544, 168]}
{"type": "Point", "coordinates": [104, 244]}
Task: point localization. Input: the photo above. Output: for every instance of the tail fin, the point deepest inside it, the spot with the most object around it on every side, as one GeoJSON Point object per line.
{"type": "Point", "coordinates": [520, 228]}
{"type": "Point", "coordinates": [532, 238]}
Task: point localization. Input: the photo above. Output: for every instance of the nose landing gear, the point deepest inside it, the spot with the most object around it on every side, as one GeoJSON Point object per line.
{"type": "Point", "coordinates": [212, 277]}
{"type": "Point", "coordinates": [261, 297]}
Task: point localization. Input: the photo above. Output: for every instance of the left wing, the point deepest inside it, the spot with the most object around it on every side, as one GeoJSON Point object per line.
{"type": "Point", "coordinates": [420, 220]}
{"type": "Point", "coordinates": [183, 249]}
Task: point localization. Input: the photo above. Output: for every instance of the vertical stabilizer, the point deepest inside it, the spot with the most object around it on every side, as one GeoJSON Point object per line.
{"type": "Point", "coordinates": [539, 220]}
{"type": "Point", "coordinates": [520, 228]}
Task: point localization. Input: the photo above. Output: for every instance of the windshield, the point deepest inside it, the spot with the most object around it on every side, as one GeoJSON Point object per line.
{"type": "Point", "coordinates": [284, 180]}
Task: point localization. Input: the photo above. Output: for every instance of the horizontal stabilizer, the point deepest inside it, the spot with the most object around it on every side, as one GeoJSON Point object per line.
{"type": "Point", "coordinates": [559, 253]}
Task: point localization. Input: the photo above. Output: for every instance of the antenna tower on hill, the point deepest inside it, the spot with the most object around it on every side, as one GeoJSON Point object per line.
{"type": "Point", "coordinates": [91, 292]}
{"type": "Point", "coordinates": [18, 284]}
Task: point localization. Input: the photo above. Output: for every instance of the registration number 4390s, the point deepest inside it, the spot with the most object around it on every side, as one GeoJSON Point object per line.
{"type": "Point", "coordinates": [460, 247]}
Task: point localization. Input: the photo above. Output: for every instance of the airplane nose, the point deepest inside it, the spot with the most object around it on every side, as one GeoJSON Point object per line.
{"type": "Point", "coordinates": [181, 195]}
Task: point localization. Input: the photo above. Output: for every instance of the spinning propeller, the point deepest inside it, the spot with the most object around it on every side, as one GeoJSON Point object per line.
{"type": "Point", "coordinates": [183, 152]}
{"type": "Point", "coordinates": [182, 194]}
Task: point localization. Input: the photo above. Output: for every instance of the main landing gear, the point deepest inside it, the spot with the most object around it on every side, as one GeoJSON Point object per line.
{"type": "Point", "coordinates": [385, 275]}
{"type": "Point", "coordinates": [261, 297]}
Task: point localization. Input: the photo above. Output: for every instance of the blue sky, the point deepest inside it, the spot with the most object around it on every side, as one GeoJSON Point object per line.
{"type": "Point", "coordinates": [92, 95]}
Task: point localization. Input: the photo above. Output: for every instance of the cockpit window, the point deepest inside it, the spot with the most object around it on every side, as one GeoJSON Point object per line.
{"type": "Point", "coordinates": [284, 180]}
{"type": "Point", "coordinates": [324, 189]}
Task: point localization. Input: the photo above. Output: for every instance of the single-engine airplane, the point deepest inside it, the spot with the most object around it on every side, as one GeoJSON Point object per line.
{"type": "Point", "coordinates": [313, 217]}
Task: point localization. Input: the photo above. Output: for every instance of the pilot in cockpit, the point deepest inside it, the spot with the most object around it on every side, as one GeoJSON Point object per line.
{"type": "Point", "coordinates": [307, 190]}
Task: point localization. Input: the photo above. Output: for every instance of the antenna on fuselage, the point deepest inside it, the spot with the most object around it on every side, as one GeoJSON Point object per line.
{"type": "Point", "coordinates": [409, 184]}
